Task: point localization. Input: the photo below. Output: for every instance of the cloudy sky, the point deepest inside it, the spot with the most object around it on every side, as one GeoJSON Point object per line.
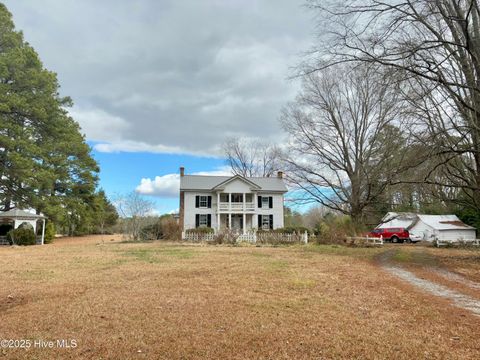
{"type": "Point", "coordinates": [159, 83]}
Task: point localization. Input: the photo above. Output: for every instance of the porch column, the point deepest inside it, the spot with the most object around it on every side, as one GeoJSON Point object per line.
{"type": "Point", "coordinates": [218, 211]}
{"type": "Point", "coordinates": [244, 223]}
{"type": "Point", "coordinates": [43, 232]}
{"type": "Point", "coordinates": [229, 221]}
{"type": "Point", "coordinates": [244, 204]}
{"type": "Point", "coordinates": [229, 201]}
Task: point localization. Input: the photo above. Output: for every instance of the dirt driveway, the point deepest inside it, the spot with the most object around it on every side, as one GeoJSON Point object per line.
{"type": "Point", "coordinates": [425, 271]}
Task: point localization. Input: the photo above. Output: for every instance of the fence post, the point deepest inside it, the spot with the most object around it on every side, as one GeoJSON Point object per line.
{"type": "Point", "coordinates": [183, 235]}
{"type": "Point", "coordinates": [305, 237]}
{"type": "Point", "coordinates": [381, 239]}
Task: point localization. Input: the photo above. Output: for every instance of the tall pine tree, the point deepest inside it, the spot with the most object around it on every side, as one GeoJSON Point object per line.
{"type": "Point", "coordinates": [45, 162]}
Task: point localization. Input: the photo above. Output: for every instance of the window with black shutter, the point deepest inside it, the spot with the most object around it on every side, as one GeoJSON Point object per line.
{"type": "Point", "coordinates": [270, 202]}
{"type": "Point", "coordinates": [265, 222]}
{"type": "Point", "coordinates": [202, 220]}
{"type": "Point", "coordinates": [259, 202]}
{"type": "Point", "coordinates": [197, 201]}
{"type": "Point", "coordinates": [271, 221]}
{"type": "Point", "coordinates": [209, 203]}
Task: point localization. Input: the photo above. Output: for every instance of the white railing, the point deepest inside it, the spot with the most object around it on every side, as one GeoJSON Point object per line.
{"type": "Point", "coordinates": [4, 241]}
{"type": "Point", "coordinates": [440, 243]}
{"type": "Point", "coordinates": [225, 206]}
{"type": "Point", "coordinates": [366, 240]}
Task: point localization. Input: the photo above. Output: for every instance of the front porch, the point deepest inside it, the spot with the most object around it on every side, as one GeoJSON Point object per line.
{"type": "Point", "coordinates": [238, 222]}
{"type": "Point", "coordinates": [238, 202]}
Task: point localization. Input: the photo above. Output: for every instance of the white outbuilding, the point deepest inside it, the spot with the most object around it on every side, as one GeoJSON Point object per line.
{"type": "Point", "coordinates": [442, 227]}
{"type": "Point", "coordinates": [430, 227]}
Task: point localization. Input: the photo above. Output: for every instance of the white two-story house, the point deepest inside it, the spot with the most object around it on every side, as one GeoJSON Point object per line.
{"type": "Point", "coordinates": [231, 202]}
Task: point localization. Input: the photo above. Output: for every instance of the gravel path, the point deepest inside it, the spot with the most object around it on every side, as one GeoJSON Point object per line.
{"type": "Point", "coordinates": [460, 300]}
{"type": "Point", "coordinates": [457, 278]}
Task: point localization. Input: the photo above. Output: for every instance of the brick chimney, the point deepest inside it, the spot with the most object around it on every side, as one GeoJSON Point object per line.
{"type": "Point", "coordinates": [182, 171]}
{"type": "Point", "coordinates": [280, 174]}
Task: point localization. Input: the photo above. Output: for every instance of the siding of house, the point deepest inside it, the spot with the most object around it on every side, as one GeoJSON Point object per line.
{"type": "Point", "coordinates": [190, 210]}
{"type": "Point", "coordinates": [276, 211]}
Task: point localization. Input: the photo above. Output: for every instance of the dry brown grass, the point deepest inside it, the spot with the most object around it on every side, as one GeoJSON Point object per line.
{"type": "Point", "coordinates": [175, 301]}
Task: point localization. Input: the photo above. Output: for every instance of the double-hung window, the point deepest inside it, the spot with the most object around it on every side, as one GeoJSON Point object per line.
{"type": "Point", "coordinates": [265, 202]}
{"type": "Point", "coordinates": [203, 220]}
{"type": "Point", "coordinates": [203, 201]}
{"type": "Point", "coordinates": [266, 222]}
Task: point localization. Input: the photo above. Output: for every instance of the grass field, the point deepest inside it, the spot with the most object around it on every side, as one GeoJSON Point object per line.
{"type": "Point", "coordinates": [173, 301]}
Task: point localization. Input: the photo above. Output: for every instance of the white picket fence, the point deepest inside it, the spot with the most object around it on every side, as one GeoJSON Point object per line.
{"type": "Point", "coordinates": [197, 236]}
{"type": "Point", "coordinates": [369, 240]}
{"type": "Point", "coordinates": [4, 241]}
{"type": "Point", "coordinates": [440, 243]}
{"type": "Point", "coordinates": [251, 237]}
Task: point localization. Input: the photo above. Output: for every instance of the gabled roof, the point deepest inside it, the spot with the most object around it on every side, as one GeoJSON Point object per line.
{"type": "Point", "coordinates": [444, 222]}
{"type": "Point", "coordinates": [408, 220]}
{"type": "Point", "coordinates": [20, 214]}
{"type": "Point", "coordinates": [209, 183]}
{"type": "Point", "coordinates": [221, 186]}
{"type": "Point", "coordinates": [393, 219]}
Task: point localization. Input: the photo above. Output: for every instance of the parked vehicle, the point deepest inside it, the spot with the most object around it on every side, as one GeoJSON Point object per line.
{"type": "Point", "coordinates": [415, 238]}
{"type": "Point", "coordinates": [391, 234]}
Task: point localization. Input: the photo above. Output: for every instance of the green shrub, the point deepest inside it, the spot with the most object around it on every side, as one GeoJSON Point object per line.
{"type": "Point", "coordinates": [49, 232]}
{"type": "Point", "coordinates": [21, 236]}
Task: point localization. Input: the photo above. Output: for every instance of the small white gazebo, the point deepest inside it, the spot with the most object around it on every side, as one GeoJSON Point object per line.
{"type": "Point", "coordinates": [17, 217]}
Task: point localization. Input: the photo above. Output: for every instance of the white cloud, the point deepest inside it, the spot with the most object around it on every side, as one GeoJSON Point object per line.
{"type": "Point", "coordinates": [138, 87]}
{"type": "Point", "coordinates": [134, 146]}
{"type": "Point", "coordinates": [169, 185]}
{"type": "Point", "coordinates": [98, 125]}
{"type": "Point", "coordinates": [162, 186]}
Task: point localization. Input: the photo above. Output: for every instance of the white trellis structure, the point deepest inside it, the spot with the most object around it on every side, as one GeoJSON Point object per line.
{"type": "Point", "coordinates": [17, 217]}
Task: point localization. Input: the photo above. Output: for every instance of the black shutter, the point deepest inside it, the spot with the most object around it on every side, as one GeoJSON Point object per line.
{"type": "Point", "coordinates": [270, 202]}
{"type": "Point", "coordinates": [209, 220]}
{"type": "Point", "coordinates": [197, 201]}
{"type": "Point", "coordinates": [209, 205]}
{"type": "Point", "coordinates": [271, 221]}
{"type": "Point", "coordinates": [259, 221]}
{"type": "Point", "coordinates": [197, 220]}
{"type": "Point", "coordinates": [259, 201]}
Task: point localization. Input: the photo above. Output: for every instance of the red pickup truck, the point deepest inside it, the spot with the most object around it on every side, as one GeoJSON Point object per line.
{"type": "Point", "coordinates": [391, 234]}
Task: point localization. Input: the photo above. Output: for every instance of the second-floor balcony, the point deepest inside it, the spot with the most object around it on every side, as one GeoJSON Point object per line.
{"type": "Point", "coordinates": [236, 206]}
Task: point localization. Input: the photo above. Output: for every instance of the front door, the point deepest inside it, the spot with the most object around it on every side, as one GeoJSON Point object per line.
{"type": "Point", "coordinates": [237, 222]}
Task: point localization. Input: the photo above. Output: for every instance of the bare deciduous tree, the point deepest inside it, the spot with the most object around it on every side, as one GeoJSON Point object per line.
{"type": "Point", "coordinates": [436, 46]}
{"type": "Point", "coordinates": [340, 154]}
{"type": "Point", "coordinates": [134, 209]}
{"type": "Point", "coordinates": [251, 158]}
